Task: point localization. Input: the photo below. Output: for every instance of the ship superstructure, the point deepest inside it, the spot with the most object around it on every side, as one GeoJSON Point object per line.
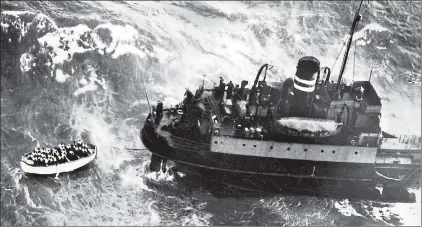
{"type": "Point", "coordinates": [306, 128]}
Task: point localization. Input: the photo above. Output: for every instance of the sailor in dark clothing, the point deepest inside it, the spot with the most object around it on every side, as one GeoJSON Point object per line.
{"type": "Point", "coordinates": [229, 90]}
{"type": "Point", "coordinates": [242, 91]}
{"type": "Point", "coordinates": [221, 87]}
{"type": "Point", "coordinates": [237, 94]}
{"type": "Point", "coordinates": [236, 88]}
{"type": "Point", "coordinates": [252, 96]}
{"type": "Point", "coordinates": [159, 112]}
{"type": "Point", "coordinates": [198, 94]}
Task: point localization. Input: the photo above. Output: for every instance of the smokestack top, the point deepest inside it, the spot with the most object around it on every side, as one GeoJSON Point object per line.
{"type": "Point", "coordinates": [308, 64]}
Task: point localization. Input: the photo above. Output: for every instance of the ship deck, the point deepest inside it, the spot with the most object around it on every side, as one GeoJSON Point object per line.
{"type": "Point", "coordinates": [212, 105]}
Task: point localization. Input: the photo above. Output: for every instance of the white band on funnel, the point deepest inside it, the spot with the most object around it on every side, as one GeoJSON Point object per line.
{"type": "Point", "coordinates": [307, 82]}
{"type": "Point", "coordinates": [304, 89]}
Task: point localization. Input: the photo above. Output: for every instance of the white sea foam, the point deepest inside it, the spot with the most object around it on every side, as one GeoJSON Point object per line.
{"type": "Point", "coordinates": [29, 201]}
{"type": "Point", "coordinates": [93, 83]}
{"type": "Point", "coordinates": [111, 152]}
{"type": "Point", "coordinates": [374, 27]}
{"type": "Point", "coordinates": [345, 208]}
{"type": "Point", "coordinates": [61, 76]}
{"type": "Point", "coordinates": [16, 22]}
{"type": "Point", "coordinates": [26, 62]}
{"type": "Point", "coordinates": [70, 35]}
{"type": "Point", "coordinates": [66, 41]}
{"type": "Point", "coordinates": [30, 136]}
{"type": "Point", "coordinates": [139, 102]}
{"type": "Point", "coordinates": [133, 179]}
{"type": "Point", "coordinates": [410, 214]}
{"type": "Point", "coordinates": [124, 39]}
{"type": "Point", "coordinates": [159, 176]}
{"type": "Point", "coordinates": [15, 13]}
{"type": "Point", "coordinates": [43, 22]}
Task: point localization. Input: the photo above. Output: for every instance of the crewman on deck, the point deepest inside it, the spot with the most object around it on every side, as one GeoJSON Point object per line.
{"type": "Point", "coordinates": [236, 88]}
{"type": "Point", "coordinates": [241, 91]}
{"type": "Point", "coordinates": [189, 98]}
{"type": "Point", "coordinates": [159, 112]}
{"type": "Point", "coordinates": [221, 88]}
{"type": "Point", "coordinates": [252, 96]}
{"type": "Point", "coordinates": [229, 90]}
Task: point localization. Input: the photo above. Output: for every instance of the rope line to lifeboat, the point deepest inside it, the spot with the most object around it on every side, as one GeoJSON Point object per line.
{"type": "Point", "coordinates": [136, 149]}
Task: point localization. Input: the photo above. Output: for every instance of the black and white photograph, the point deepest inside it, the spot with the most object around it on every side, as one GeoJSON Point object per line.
{"type": "Point", "coordinates": [211, 113]}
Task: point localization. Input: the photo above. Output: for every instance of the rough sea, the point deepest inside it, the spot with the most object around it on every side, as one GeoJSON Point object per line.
{"type": "Point", "coordinates": [71, 69]}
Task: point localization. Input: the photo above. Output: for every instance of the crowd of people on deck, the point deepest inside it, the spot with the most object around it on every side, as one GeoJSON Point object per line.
{"type": "Point", "coordinates": [237, 92]}
{"type": "Point", "coordinates": [58, 155]}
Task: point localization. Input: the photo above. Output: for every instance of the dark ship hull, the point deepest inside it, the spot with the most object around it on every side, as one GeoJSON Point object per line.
{"type": "Point", "coordinates": [225, 171]}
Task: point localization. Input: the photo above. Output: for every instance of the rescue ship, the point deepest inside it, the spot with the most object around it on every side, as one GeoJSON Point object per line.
{"type": "Point", "coordinates": [304, 133]}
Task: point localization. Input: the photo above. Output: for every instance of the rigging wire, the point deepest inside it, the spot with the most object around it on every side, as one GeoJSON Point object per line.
{"type": "Point", "coordinates": [354, 62]}
{"type": "Point", "coordinates": [354, 59]}
{"type": "Point", "coordinates": [344, 44]}
{"type": "Point", "coordinates": [338, 56]}
{"type": "Point", "coordinates": [343, 67]}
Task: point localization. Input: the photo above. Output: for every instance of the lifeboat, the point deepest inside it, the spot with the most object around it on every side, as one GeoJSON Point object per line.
{"type": "Point", "coordinates": [308, 127]}
{"type": "Point", "coordinates": [70, 160]}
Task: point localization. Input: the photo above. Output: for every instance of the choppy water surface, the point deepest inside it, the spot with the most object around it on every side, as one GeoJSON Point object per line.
{"type": "Point", "coordinates": [76, 68]}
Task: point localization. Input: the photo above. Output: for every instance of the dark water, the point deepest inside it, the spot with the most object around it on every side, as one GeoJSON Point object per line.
{"type": "Point", "coordinates": [70, 69]}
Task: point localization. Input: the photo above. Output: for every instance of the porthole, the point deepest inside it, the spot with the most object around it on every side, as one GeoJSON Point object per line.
{"type": "Point", "coordinates": [305, 149]}
{"type": "Point", "coordinates": [322, 151]}
{"type": "Point", "coordinates": [356, 152]}
{"type": "Point", "coordinates": [288, 148]}
{"type": "Point", "coordinates": [271, 147]}
{"type": "Point", "coordinates": [334, 151]}
{"type": "Point", "coordinates": [254, 145]}
{"type": "Point", "coordinates": [215, 142]}
{"type": "Point", "coordinates": [244, 144]}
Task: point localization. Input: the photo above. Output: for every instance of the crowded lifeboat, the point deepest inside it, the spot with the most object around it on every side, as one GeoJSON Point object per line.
{"type": "Point", "coordinates": [64, 158]}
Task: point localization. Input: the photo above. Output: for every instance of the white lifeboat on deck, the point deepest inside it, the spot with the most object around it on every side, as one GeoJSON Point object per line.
{"type": "Point", "coordinates": [308, 127]}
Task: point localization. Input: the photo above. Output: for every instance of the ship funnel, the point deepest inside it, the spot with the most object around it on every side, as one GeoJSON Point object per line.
{"type": "Point", "coordinates": [305, 78]}
{"type": "Point", "coordinates": [304, 86]}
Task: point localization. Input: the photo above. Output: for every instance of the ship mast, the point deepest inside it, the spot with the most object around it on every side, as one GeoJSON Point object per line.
{"type": "Point", "coordinates": [352, 31]}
